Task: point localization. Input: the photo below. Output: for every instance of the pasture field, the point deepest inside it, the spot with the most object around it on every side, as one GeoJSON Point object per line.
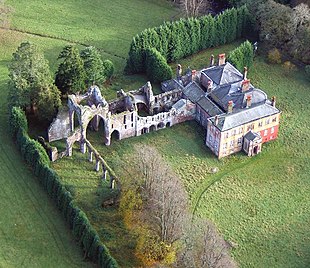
{"type": "Point", "coordinates": [261, 203]}
{"type": "Point", "coordinates": [33, 233]}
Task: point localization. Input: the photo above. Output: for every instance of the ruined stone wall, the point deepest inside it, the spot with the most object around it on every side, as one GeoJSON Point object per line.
{"type": "Point", "coordinates": [60, 127]}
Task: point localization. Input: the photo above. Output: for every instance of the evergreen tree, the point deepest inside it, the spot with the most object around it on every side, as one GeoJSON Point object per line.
{"type": "Point", "coordinates": [70, 76]}
{"type": "Point", "coordinates": [109, 68]}
{"type": "Point", "coordinates": [157, 68]}
{"type": "Point", "coordinates": [93, 66]}
{"type": "Point", "coordinates": [31, 84]}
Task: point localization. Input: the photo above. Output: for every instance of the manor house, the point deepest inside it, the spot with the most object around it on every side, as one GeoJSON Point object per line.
{"type": "Point", "coordinates": [236, 115]}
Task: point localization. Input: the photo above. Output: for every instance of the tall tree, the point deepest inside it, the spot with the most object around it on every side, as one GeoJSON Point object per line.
{"type": "Point", "coordinates": [70, 76]}
{"type": "Point", "coordinates": [93, 66]}
{"type": "Point", "coordinates": [30, 84]}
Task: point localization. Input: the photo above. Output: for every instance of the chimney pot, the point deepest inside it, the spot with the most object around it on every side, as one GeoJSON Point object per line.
{"type": "Point", "coordinates": [245, 73]}
{"type": "Point", "coordinates": [212, 60]}
{"type": "Point", "coordinates": [179, 70]}
{"type": "Point", "coordinates": [222, 59]}
{"type": "Point", "coordinates": [194, 72]}
{"type": "Point", "coordinates": [216, 120]}
{"type": "Point", "coordinates": [248, 101]}
{"type": "Point", "coordinates": [230, 107]}
{"type": "Point", "coordinates": [209, 86]}
{"type": "Point", "coordinates": [245, 85]}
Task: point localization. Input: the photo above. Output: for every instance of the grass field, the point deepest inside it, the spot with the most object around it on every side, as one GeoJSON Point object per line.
{"type": "Point", "coordinates": [33, 233]}
{"type": "Point", "coordinates": [260, 203]}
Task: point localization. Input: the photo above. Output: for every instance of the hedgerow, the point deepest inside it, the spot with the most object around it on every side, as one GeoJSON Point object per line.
{"type": "Point", "coordinates": [35, 156]}
{"type": "Point", "coordinates": [179, 39]}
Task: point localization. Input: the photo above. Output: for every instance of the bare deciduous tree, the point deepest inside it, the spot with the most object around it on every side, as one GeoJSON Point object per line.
{"type": "Point", "coordinates": [193, 8]}
{"type": "Point", "coordinates": [166, 199]}
{"type": "Point", "coordinates": [204, 247]}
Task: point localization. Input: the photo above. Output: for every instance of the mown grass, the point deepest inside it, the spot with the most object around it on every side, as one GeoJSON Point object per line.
{"type": "Point", "coordinates": [108, 25]}
{"type": "Point", "coordinates": [261, 203]}
{"type": "Point", "coordinates": [32, 232]}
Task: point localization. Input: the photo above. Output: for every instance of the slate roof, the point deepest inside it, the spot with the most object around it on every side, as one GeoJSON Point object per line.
{"type": "Point", "coordinates": [229, 121]}
{"type": "Point", "coordinates": [233, 92]}
{"type": "Point", "coordinates": [223, 74]}
{"type": "Point", "coordinates": [179, 104]}
{"type": "Point", "coordinates": [251, 136]}
{"type": "Point", "coordinates": [209, 106]}
{"type": "Point", "coordinates": [170, 85]}
{"type": "Point", "coordinates": [193, 92]}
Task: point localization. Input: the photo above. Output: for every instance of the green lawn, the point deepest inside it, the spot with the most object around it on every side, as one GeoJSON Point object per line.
{"type": "Point", "coordinates": [260, 203]}
{"type": "Point", "coordinates": [32, 231]}
{"type": "Point", "coordinates": [108, 25]}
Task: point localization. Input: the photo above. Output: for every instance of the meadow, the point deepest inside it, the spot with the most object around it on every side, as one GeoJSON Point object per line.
{"type": "Point", "coordinates": [33, 233]}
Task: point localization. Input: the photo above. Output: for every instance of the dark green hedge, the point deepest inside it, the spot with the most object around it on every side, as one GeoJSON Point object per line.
{"type": "Point", "coordinates": [179, 39]}
{"type": "Point", "coordinates": [35, 156]}
{"type": "Point", "coordinates": [157, 69]}
{"type": "Point", "coordinates": [242, 56]}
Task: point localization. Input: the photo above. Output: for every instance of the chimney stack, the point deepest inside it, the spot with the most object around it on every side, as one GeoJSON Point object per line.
{"type": "Point", "coordinates": [179, 71]}
{"type": "Point", "coordinates": [212, 60]}
{"type": "Point", "coordinates": [194, 72]}
{"type": "Point", "coordinates": [222, 59]}
{"type": "Point", "coordinates": [248, 101]}
{"type": "Point", "coordinates": [230, 107]}
{"type": "Point", "coordinates": [209, 86]}
{"type": "Point", "coordinates": [245, 73]}
{"type": "Point", "coordinates": [273, 101]}
{"type": "Point", "coordinates": [245, 85]}
{"type": "Point", "coordinates": [216, 120]}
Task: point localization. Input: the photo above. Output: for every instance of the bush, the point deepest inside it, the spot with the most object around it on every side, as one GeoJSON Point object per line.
{"type": "Point", "coordinates": [157, 69]}
{"type": "Point", "coordinates": [274, 56]}
{"type": "Point", "coordinates": [289, 67]}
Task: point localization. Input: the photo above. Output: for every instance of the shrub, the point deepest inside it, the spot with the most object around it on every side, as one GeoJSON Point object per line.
{"type": "Point", "coordinates": [157, 69]}
{"type": "Point", "coordinates": [289, 67]}
{"type": "Point", "coordinates": [274, 56]}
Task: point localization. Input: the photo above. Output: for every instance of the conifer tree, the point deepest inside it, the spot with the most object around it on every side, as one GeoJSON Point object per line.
{"type": "Point", "coordinates": [70, 76]}
{"type": "Point", "coordinates": [93, 66]}
{"type": "Point", "coordinates": [31, 85]}
{"type": "Point", "coordinates": [157, 68]}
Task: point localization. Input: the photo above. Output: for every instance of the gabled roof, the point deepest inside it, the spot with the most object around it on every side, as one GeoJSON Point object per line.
{"type": "Point", "coordinates": [209, 106]}
{"type": "Point", "coordinates": [251, 136]}
{"type": "Point", "coordinates": [223, 74]}
{"type": "Point", "coordinates": [193, 92]}
{"type": "Point", "coordinates": [233, 92]}
{"type": "Point", "coordinates": [229, 121]}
